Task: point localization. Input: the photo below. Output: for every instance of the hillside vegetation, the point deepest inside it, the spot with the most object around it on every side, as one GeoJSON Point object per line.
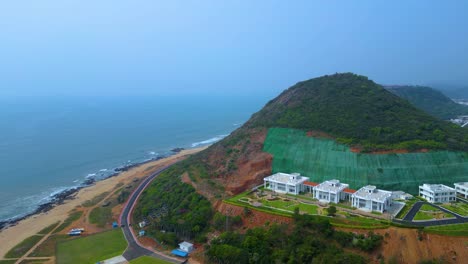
{"type": "Point", "coordinates": [357, 111]}
{"type": "Point", "coordinates": [430, 100]}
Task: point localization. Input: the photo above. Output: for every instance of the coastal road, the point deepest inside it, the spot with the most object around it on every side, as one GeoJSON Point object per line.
{"type": "Point", "coordinates": [135, 249]}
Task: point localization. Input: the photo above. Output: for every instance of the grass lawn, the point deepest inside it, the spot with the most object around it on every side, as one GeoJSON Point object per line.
{"type": "Point", "coordinates": [47, 248]}
{"type": "Point", "coordinates": [422, 216]}
{"type": "Point", "coordinates": [291, 205]}
{"type": "Point", "coordinates": [428, 207]}
{"type": "Point", "coordinates": [7, 261]}
{"type": "Point", "coordinates": [148, 260]}
{"type": "Point", "coordinates": [450, 230]}
{"type": "Point", "coordinates": [101, 216]}
{"type": "Point", "coordinates": [91, 249]}
{"type": "Point", "coordinates": [459, 208]}
{"type": "Point", "coordinates": [95, 200]}
{"type": "Point", "coordinates": [23, 247]}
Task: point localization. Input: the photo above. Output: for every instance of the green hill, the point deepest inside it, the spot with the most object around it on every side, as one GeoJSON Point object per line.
{"type": "Point", "coordinates": [357, 111]}
{"type": "Point", "coordinates": [322, 119]}
{"type": "Point", "coordinates": [430, 100]}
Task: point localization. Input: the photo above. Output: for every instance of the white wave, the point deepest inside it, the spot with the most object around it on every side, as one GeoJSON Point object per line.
{"type": "Point", "coordinates": [152, 153]}
{"type": "Point", "coordinates": [91, 175]}
{"type": "Point", "coordinates": [236, 124]}
{"type": "Point", "coordinates": [103, 170]}
{"type": "Point", "coordinates": [76, 180]}
{"type": "Point", "coordinates": [209, 141]}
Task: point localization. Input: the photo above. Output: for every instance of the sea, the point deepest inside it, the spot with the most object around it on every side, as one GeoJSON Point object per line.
{"type": "Point", "coordinates": [52, 144]}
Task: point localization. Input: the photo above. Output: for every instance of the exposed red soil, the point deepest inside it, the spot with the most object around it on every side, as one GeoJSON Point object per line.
{"type": "Point", "coordinates": [254, 219]}
{"type": "Point", "coordinates": [403, 245]}
{"type": "Point", "coordinates": [356, 149]}
{"type": "Point", "coordinates": [318, 134]}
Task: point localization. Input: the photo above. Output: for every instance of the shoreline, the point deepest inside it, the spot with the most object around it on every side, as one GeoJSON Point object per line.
{"type": "Point", "coordinates": [57, 210]}
{"type": "Point", "coordinates": [68, 193]}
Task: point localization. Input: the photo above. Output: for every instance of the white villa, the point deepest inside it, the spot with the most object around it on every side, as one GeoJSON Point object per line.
{"type": "Point", "coordinates": [462, 189]}
{"type": "Point", "coordinates": [401, 195]}
{"type": "Point", "coordinates": [285, 183]}
{"type": "Point", "coordinates": [331, 191]}
{"type": "Point", "coordinates": [369, 198]}
{"type": "Point", "coordinates": [437, 193]}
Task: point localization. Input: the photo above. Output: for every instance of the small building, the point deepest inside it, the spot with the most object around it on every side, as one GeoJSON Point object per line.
{"type": "Point", "coordinates": [115, 225]}
{"type": "Point", "coordinates": [437, 193]}
{"type": "Point", "coordinates": [462, 189]}
{"type": "Point", "coordinates": [186, 247]}
{"type": "Point", "coordinates": [142, 224]}
{"type": "Point", "coordinates": [285, 183]}
{"type": "Point", "coordinates": [401, 195]}
{"type": "Point", "coordinates": [369, 198]}
{"type": "Point", "coordinates": [331, 191]}
{"type": "Point", "coordinates": [141, 233]}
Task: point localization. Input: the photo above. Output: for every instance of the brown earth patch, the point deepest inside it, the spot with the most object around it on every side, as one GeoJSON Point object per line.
{"type": "Point", "coordinates": [318, 134]}
{"type": "Point", "coordinates": [254, 219]}
{"type": "Point", "coordinates": [404, 246]}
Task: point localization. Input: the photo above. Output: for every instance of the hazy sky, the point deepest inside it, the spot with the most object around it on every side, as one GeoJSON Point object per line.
{"type": "Point", "coordinates": [172, 47]}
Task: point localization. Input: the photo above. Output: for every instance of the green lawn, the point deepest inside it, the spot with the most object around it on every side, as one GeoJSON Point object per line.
{"type": "Point", "coordinates": [91, 249]}
{"type": "Point", "coordinates": [95, 200]}
{"type": "Point", "coordinates": [428, 207]}
{"type": "Point", "coordinates": [101, 216]}
{"type": "Point", "coordinates": [23, 247]}
{"type": "Point", "coordinates": [450, 230]}
{"type": "Point", "coordinates": [291, 205]}
{"type": "Point", "coordinates": [423, 216]}
{"type": "Point", "coordinates": [7, 261]}
{"type": "Point", "coordinates": [148, 260]}
{"type": "Point", "coordinates": [459, 208]}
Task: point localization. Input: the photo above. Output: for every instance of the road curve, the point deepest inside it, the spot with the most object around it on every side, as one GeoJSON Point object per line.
{"type": "Point", "coordinates": [135, 249]}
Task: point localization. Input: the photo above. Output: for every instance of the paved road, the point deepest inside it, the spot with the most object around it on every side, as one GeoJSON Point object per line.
{"type": "Point", "coordinates": [134, 249]}
{"type": "Point", "coordinates": [408, 220]}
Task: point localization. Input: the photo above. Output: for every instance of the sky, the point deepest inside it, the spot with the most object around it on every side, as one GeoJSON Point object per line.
{"type": "Point", "coordinates": [112, 47]}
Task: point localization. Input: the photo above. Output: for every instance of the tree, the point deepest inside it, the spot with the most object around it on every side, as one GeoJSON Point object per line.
{"type": "Point", "coordinates": [331, 210]}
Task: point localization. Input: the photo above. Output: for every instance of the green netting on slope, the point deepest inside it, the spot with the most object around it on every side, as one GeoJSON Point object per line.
{"type": "Point", "coordinates": [323, 159]}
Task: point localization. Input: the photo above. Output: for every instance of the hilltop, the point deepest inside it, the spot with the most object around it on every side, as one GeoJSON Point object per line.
{"type": "Point", "coordinates": [430, 100]}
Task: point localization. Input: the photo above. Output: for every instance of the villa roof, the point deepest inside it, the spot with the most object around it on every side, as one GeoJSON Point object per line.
{"type": "Point", "coordinates": [371, 192]}
{"type": "Point", "coordinates": [348, 190]}
{"type": "Point", "coordinates": [294, 178]}
{"type": "Point", "coordinates": [308, 183]}
{"type": "Point", "coordinates": [333, 186]}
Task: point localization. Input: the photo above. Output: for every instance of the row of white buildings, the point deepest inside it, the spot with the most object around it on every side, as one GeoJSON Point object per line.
{"type": "Point", "coordinates": [439, 193]}
{"type": "Point", "coordinates": [367, 198]}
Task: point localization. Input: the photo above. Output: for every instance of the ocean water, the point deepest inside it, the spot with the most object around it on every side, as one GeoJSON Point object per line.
{"type": "Point", "coordinates": [48, 145]}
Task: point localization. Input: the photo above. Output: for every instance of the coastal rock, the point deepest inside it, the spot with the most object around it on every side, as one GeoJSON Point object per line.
{"type": "Point", "coordinates": [177, 150]}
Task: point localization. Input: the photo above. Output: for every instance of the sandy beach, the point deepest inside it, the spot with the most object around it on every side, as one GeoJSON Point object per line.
{"type": "Point", "coordinates": [33, 224]}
